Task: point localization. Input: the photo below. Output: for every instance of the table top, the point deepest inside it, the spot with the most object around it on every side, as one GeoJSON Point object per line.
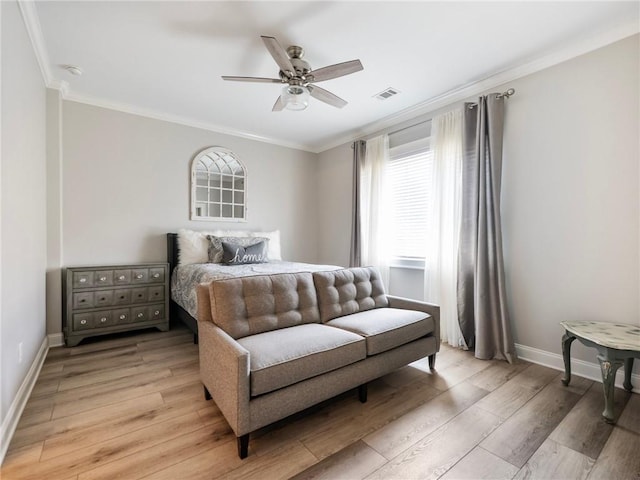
{"type": "Point", "coordinates": [620, 336]}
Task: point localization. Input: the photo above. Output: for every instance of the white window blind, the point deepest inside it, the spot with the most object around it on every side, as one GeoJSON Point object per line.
{"type": "Point", "coordinates": [409, 174]}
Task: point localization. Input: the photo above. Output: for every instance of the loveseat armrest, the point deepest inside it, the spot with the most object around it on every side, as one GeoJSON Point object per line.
{"type": "Point", "coordinates": [430, 308]}
{"type": "Point", "coordinates": [224, 370]}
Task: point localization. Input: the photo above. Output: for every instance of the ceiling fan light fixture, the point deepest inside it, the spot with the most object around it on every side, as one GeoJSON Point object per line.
{"type": "Point", "coordinates": [295, 97]}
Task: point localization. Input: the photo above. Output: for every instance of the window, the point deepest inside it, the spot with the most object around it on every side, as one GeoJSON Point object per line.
{"type": "Point", "coordinates": [218, 186]}
{"type": "Point", "coordinates": [409, 180]}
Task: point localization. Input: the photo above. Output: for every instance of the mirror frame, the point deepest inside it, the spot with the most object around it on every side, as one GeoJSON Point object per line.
{"type": "Point", "coordinates": [218, 151]}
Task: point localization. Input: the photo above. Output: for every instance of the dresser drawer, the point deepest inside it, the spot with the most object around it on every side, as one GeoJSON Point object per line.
{"type": "Point", "coordinates": [103, 298]}
{"type": "Point", "coordinates": [103, 278]}
{"type": "Point", "coordinates": [156, 312]}
{"type": "Point", "coordinates": [122, 315]}
{"type": "Point", "coordinates": [156, 294]}
{"type": "Point", "coordinates": [122, 296]}
{"type": "Point", "coordinates": [82, 321]}
{"type": "Point", "coordinates": [139, 314]}
{"type": "Point", "coordinates": [140, 275]}
{"type": "Point", "coordinates": [83, 300]}
{"type": "Point", "coordinates": [83, 279]}
{"type": "Point", "coordinates": [103, 319]}
{"type": "Point", "coordinates": [121, 277]}
{"type": "Point", "coordinates": [139, 295]}
{"type": "Point", "coordinates": [156, 275]}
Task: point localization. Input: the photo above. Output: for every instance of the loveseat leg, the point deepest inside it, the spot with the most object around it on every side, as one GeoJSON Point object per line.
{"type": "Point", "coordinates": [432, 361]}
{"type": "Point", "coordinates": [207, 395]}
{"type": "Point", "coordinates": [362, 393]}
{"type": "Point", "coordinates": [243, 446]}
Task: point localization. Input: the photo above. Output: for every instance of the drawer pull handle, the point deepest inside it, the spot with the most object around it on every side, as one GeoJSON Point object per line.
{"type": "Point", "coordinates": [121, 277]}
{"type": "Point", "coordinates": [102, 299]}
{"type": "Point", "coordinates": [122, 297]}
{"type": "Point", "coordinates": [122, 317]}
{"type": "Point", "coordinates": [140, 315]}
{"type": "Point", "coordinates": [103, 279]}
{"type": "Point", "coordinates": [157, 312]}
{"type": "Point", "coordinates": [156, 275]}
{"type": "Point", "coordinates": [103, 319]}
{"type": "Point", "coordinates": [83, 280]}
{"type": "Point", "coordinates": [83, 322]}
{"type": "Point", "coordinates": [82, 300]}
{"type": "Point", "coordinates": [139, 275]}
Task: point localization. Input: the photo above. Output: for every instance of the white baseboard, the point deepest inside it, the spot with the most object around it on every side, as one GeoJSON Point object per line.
{"type": "Point", "coordinates": [580, 368]}
{"type": "Point", "coordinates": [56, 340]}
{"type": "Point", "coordinates": [12, 418]}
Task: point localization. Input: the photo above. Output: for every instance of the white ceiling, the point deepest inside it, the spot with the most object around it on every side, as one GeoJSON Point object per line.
{"type": "Point", "coordinates": [165, 59]}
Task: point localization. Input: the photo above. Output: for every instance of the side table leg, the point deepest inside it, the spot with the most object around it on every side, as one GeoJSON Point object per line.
{"type": "Point", "coordinates": [628, 367]}
{"type": "Point", "coordinates": [566, 355]}
{"type": "Point", "coordinates": [609, 369]}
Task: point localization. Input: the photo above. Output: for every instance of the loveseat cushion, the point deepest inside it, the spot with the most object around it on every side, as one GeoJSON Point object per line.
{"type": "Point", "coordinates": [289, 355]}
{"type": "Point", "coordinates": [386, 328]}
{"type": "Point", "coordinates": [245, 306]}
{"type": "Point", "coordinates": [343, 292]}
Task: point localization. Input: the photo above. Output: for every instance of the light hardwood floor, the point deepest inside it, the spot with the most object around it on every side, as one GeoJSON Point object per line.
{"type": "Point", "coordinates": [132, 407]}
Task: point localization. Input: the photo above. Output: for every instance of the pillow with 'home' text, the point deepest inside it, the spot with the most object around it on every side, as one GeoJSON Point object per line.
{"type": "Point", "coordinates": [236, 254]}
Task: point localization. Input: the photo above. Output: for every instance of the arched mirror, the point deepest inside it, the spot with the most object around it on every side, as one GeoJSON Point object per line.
{"type": "Point", "coordinates": [218, 186]}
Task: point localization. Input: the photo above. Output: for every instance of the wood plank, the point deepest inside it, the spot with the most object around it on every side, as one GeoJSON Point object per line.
{"type": "Point", "coordinates": [283, 463]}
{"type": "Point", "coordinates": [630, 417]}
{"type": "Point", "coordinates": [497, 374]}
{"type": "Point", "coordinates": [522, 433]}
{"type": "Point", "coordinates": [163, 455]}
{"type": "Point", "coordinates": [553, 460]}
{"type": "Point", "coordinates": [438, 452]}
{"type": "Point", "coordinates": [81, 437]}
{"type": "Point", "coordinates": [97, 416]}
{"type": "Point", "coordinates": [619, 458]}
{"type": "Point", "coordinates": [377, 412]}
{"type": "Point", "coordinates": [463, 368]}
{"type": "Point", "coordinates": [505, 400]}
{"type": "Point", "coordinates": [214, 462]}
{"type": "Point", "coordinates": [399, 435]}
{"type": "Point", "coordinates": [479, 464]}
{"type": "Point", "coordinates": [583, 429]}
{"type": "Point", "coordinates": [104, 452]}
{"type": "Point", "coordinates": [356, 461]}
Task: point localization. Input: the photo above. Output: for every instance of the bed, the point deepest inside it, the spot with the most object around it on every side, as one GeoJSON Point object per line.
{"type": "Point", "coordinates": [184, 278]}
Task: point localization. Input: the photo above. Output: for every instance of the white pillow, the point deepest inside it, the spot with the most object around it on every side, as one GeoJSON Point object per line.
{"type": "Point", "coordinates": [194, 245]}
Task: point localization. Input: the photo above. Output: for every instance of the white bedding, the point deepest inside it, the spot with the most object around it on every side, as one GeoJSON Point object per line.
{"type": "Point", "coordinates": [185, 277]}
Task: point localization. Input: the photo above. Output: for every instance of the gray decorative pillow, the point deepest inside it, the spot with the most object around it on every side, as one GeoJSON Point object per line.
{"type": "Point", "coordinates": [236, 254]}
{"type": "Point", "coordinates": [215, 245]}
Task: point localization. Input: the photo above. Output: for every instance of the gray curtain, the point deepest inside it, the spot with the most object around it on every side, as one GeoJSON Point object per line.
{"type": "Point", "coordinates": [355, 255]}
{"type": "Point", "coordinates": [482, 303]}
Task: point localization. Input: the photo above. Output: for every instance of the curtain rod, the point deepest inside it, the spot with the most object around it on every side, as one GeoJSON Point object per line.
{"type": "Point", "coordinates": [506, 94]}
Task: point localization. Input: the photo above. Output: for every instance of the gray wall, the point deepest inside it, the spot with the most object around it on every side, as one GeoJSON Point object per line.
{"type": "Point", "coordinates": [570, 198]}
{"type": "Point", "coordinates": [126, 184]}
{"type": "Point", "coordinates": [23, 211]}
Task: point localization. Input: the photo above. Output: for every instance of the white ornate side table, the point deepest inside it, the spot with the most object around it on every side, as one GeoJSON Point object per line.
{"type": "Point", "coordinates": [616, 344]}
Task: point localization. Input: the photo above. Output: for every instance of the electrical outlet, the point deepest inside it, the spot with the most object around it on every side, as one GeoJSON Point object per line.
{"type": "Point", "coordinates": [20, 352]}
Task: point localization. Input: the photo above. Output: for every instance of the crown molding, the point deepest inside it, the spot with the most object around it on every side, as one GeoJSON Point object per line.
{"type": "Point", "coordinates": [189, 122]}
{"type": "Point", "coordinates": [34, 30]}
{"type": "Point", "coordinates": [459, 94]}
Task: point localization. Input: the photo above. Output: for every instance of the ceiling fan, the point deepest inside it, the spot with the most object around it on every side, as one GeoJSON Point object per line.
{"type": "Point", "coordinates": [299, 78]}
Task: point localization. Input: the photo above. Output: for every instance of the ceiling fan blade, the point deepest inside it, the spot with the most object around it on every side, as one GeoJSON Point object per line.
{"type": "Point", "coordinates": [252, 79]}
{"type": "Point", "coordinates": [326, 96]}
{"type": "Point", "coordinates": [279, 54]}
{"type": "Point", "coordinates": [278, 106]}
{"type": "Point", "coordinates": [337, 70]}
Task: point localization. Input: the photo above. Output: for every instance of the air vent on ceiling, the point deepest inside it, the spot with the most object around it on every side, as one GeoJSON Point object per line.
{"type": "Point", "coordinates": [387, 93]}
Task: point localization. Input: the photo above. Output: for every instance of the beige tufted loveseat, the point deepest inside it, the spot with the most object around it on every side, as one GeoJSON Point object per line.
{"type": "Point", "coordinates": [273, 345]}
